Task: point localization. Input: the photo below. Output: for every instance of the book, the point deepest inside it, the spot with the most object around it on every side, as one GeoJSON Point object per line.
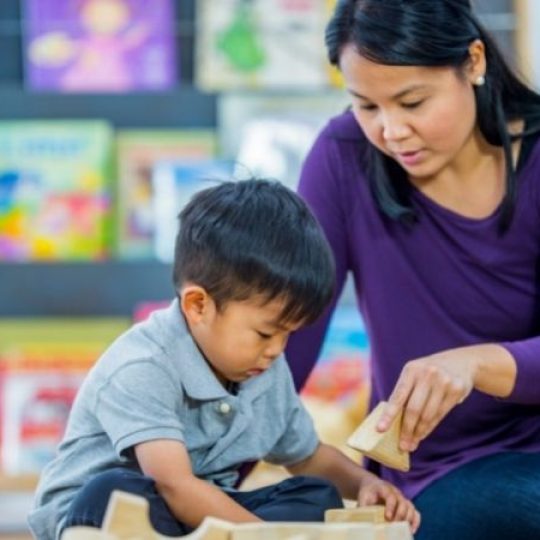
{"type": "Point", "coordinates": [55, 195]}
{"type": "Point", "coordinates": [42, 365]}
{"type": "Point", "coordinates": [174, 183]}
{"type": "Point", "coordinates": [99, 45]}
{"type": "Point", "coordinates": [269, 135]}
{"type": "Point", "coordinates": [137, 151]}
{"type": "Point", "coordinates": [260, 44]}
{"type": "Point", "coordinates": [342, 370]}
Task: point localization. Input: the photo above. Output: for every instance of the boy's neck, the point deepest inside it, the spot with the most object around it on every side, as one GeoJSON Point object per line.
{"type": "Point", "coordinates": [231, 386]}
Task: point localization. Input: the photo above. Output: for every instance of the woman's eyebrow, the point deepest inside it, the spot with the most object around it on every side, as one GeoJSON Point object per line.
{"type": "Point", "coordinates": [399, 94]}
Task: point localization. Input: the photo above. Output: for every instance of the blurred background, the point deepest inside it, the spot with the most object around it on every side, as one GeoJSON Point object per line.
{"type": "Point", "coordinates": [112, 114]}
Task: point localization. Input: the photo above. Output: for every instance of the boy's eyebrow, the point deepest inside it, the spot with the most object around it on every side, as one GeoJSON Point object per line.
{"type": "Point", "coordinates": [279, 325]}
{"type": "Point", "coordinates": [399, 95]}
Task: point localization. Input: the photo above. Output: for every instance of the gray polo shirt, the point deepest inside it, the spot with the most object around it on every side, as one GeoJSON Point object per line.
{"type": "Point", "coordinates": [153, 383]}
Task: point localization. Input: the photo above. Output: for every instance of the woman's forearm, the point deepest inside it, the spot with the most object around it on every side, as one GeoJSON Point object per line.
{"type": "Point", "coordinates": [495, 371]}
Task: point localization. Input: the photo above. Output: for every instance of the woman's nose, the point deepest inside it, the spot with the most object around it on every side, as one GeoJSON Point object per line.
{"type": "Point", "coordinates": [394, 128]}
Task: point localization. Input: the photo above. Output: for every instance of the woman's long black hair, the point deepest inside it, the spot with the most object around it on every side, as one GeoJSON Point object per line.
{"type": "Point", "coordinates": [433, 33]}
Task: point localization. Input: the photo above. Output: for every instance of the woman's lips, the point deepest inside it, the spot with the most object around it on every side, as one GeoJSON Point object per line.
{"type": "Point", "coordinates": [410, 158]}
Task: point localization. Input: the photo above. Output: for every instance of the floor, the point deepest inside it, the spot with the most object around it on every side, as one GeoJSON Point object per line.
{"type": "Point", "coordinates": [15, 506]}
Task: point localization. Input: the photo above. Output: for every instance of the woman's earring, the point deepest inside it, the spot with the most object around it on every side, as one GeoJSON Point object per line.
{"type": "Point", "coordinates": [480, 80]}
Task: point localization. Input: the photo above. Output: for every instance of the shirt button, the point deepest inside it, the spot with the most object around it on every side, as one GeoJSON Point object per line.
{"type": "Point", "coordinates": [224, 407]}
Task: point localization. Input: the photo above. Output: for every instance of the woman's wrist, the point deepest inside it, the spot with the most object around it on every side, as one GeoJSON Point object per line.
{"type": "Point", "coordinates": [494, 370]}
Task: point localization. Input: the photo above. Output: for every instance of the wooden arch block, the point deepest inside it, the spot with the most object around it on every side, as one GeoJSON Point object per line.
{"type": "Point", "coordinates": [127, 519]}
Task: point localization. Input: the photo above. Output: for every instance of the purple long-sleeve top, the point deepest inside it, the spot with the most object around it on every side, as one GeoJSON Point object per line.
{"type": "Point", "coordinates": [446, 282]}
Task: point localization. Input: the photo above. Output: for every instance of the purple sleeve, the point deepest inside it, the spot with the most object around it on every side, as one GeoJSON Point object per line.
{"type": "Point", "coordinates": [320, 189]}
{"type": "Point", "coordinates": [526, 353]}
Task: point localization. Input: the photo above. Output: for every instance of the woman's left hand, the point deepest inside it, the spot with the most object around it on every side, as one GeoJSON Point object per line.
{"type": "Point", "coordinates": [427, 389]}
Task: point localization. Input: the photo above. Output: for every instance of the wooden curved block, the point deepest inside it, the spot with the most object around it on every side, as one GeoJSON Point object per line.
{"type": "Point", "coordinates": [127, 519]}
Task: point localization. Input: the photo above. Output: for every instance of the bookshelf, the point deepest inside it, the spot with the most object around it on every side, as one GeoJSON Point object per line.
{"type": "Point", "coordinates": [110, 288]}
{"type": "Point", "coordinates": [113, 288]}
{"type": "Point", "coordinates": [93, 288]}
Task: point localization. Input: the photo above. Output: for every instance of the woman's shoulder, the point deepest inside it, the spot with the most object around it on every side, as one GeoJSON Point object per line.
{"type": "Point", "coordinates": [343, 127]}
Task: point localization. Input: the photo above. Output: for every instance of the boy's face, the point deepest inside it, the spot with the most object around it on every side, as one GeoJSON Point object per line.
{"type": "Point", "coordinates": [240, 341]}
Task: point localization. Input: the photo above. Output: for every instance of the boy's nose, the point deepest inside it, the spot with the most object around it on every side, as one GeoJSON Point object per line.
{"type": "Point", "coordinates": [275, 347]}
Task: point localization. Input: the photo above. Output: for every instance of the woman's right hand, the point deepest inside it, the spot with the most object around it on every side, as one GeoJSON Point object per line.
{"type": "Point", "coordinates": [427, 389]}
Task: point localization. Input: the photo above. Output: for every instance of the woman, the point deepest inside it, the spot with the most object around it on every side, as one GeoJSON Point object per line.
{"type": "Point", "coordinates": [429, 192]}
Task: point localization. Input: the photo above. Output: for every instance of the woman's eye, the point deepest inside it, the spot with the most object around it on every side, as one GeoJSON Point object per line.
{"type": "Point", "coordinates": [367, 107]}
{"type": "Point", "coordinates": [413, 104]}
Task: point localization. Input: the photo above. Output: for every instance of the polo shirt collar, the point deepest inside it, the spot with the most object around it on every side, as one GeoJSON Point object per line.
{"type": "Point", "coordinates": [198, 379]}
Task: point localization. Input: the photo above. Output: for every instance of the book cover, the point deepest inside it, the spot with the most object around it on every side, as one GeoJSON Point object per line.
{"type": "Point", "coordinates": [261, 44]}
{"type": "Point", "coordinates": [136, 154]}
{"type": "Point", "coordinates": [271, 134]}
{"type": "Point", "coordinates": [99, 45]}
{"type": "Point", "coordinates": [174, 183]}
{"type": "Point", "coordinates": [42, 365]}
{"type": "Point", "coordinates": [55, 197]}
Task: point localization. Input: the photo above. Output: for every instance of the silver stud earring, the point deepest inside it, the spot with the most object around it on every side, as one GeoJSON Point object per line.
{"type": "Point", "coordinates": [480, 80]}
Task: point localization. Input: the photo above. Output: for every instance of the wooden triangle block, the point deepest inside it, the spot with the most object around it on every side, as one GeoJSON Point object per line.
{"type": "Point", "coordinates": [381, 447]}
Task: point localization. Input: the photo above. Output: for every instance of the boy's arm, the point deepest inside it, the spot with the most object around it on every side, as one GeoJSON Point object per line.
{"type": "Point", "coordinates": [328, 462]}
{"type": "Point", "coordinates": [354, 482]}
{"type": "Point", "coordinates": [189, 498]}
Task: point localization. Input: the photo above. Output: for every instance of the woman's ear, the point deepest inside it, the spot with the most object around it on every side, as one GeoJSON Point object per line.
{"type": "Point", "coordinates": [195, 303]}
{"type": "Point", "coordinates": [477, 65]}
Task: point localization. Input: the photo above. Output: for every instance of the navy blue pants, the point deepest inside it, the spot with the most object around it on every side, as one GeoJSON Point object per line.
{"type": "Point", "coordinates": [300, 498]}
{"type": "Point", "coordinates": [492, 498]}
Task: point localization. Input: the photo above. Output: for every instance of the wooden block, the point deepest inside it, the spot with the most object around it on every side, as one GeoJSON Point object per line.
{"type": "Point", "coordinates": [397, 530]}
{"type": "Point", "coordinates": [382, 447]}
{"type": "Point", "coordinates": [304, 531]}
{"type": "Point", "coordinates": [127, 519]}
{"type": "Point", "coordinates": [86, 533]}
{"type": "Point", "coordinates": [364, 514]}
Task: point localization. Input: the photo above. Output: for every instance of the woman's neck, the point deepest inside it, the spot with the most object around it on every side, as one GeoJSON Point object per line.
{"type": "Point", "coordinates": [474, 184]}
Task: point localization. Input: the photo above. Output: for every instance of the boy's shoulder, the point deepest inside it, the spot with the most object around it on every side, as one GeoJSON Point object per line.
{"type": "Point", "coordinates": [162, 335]}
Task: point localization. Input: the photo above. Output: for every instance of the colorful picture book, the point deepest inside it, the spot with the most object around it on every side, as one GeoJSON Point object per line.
{"type": "Point", "coordinates": [261, 44]}
{"type": "Point", "coordinates": [137, 154]}
{"type": "Point", "coordinates": [42, 365]}
{"type": "Point", "coordinates": [270, 135]}
{"type": "Point", "coordinates": [343, 367]}
{"type": "Point", "coordinates": [174, 183]}
{"type": "Point", "coordinates": [55, 197]}
{"type": "Point", "coordinates": [100, 45]}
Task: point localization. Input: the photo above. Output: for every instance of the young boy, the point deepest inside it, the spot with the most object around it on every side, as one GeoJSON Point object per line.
{"type": "Point", "coordinates": [177, 404]}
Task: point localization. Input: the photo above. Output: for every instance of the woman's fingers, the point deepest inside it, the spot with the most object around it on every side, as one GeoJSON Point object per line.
{"type": "Point", "coordinates": [397, 399]}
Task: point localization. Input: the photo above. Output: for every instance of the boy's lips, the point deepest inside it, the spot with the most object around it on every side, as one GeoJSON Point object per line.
{"type": "Point", "coordinates": [255, 372]}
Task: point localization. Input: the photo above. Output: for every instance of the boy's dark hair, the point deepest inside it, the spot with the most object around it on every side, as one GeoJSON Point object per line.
{"type": "Point", "coordinates": [433, 33]}
{"type": "Point", "coordinates": [251, 237]}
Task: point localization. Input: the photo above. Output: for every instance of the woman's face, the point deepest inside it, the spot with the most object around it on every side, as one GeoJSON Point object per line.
{"type": "Point", "coordinates": [423, 117]}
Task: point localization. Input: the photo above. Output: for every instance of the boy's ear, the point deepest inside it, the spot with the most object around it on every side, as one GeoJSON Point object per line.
{"type": "Point", "coordinates": [195, 303]}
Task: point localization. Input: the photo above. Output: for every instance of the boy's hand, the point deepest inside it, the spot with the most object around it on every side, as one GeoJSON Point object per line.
{"type": "Point", "coordinates": [373, 490]}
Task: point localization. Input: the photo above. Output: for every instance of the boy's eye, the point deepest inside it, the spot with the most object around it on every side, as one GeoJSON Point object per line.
{"type": "Point", "coordinates": [264, 335]}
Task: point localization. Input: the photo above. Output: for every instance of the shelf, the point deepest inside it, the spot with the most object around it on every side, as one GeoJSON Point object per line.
{"type": "Point", "coordinates": [18, 483]}
{"type": "Point", "coordinates": [110, 288]}
{"type": "Point", "coordinates": [183, 107]}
